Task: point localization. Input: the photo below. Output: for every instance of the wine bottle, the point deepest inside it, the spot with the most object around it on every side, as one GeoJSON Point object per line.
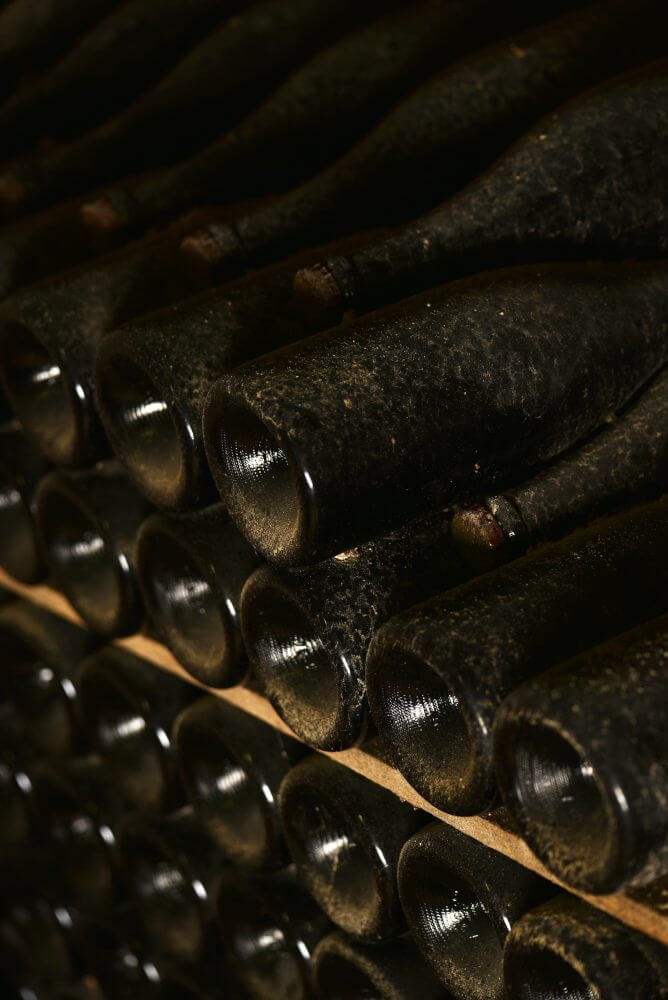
{"type": "Point", "coordinates": [319, 111]}
{"type": "Point", "coordinates": [232, 766]}
{"type": "Point", "coordinates": [525, 206]}
{"type": "Point", "coordinates": [21, 467]}
{"type": "Point", "coordinates": [191, 570]}
{"type": "Point", "coordinates": [35, 943]}
{"type": "Point", "coordinates": [87, 522]}
{"type": "Point", "coordinates": [624, 463]}
{"type": "Point", "coordinates": [307, 630]}
{"type": "Point", "coordinates": [39, 244]}
{"type": "Point", "coordinates": [566, 948]}
{"type": "Point", "coordinates": [460, 900]}
{"type": "Point", "coordinates": [85, 86]}
{"type": "Point", "coordinates": [436, 674]}
{"type": "Point", "coordinates": [153, 374]}
{"type": "Point", "coordinates": [170, 866]}
{"type": "Point", "coordinates": [580, 753]}
{"type": "Point", "coordinates": [213, 86]}
{"type": "Point", "coordinates": [441, 136]}
{"type": "Point", "coordinates": [79, 811]}
{"type": "Point", "coordinates": [109, 946]}
{"type": "Point", "coordinates": [40, 654]}
{"type": "Point", "coordinates": [319, 446]}
{"type": "Point", "coordinates": [346, 969]}
{"type": "Point", "coordinates": [269, 928]}
{"type": "Point", "coordinates": [35, 32]}
{"type": "Point", "coordinates": [128, 707]}
{"type": "Point", "coordinates": [17, 752]}
{"type": "Point", "coordinates": [50, 332]}
{"type": "Point", "coordinates": [344, 834]}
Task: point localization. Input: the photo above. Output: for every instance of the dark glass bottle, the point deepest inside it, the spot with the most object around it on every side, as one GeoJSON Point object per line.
{"type": "Point", "coordinates": [518, 210]}
{"type": "Point", "coordinates": [323, 444]}
{"type": "Point", "coordinates": [17, 752]}
{"type": "Point", "coordinates": [344, 834]}
{"type": "Point", "coordinates": [85, 86]}
{"type": "Point", "coordinates": [21, 468]}
{"type": "Point", "coordinates": [79, 810]}
{"type": "Point", "coordinates": [582, 758]}
{"type": "Point", "coordinates": [307, 630]}
{"type": "Point", "coordinates": [219, 80]}
{"type": "Point", "coordinates": [127, 706]}
{"type": "Point", "coordinates": [624, 463]}
{"type": "Point", "coordinates": [436, 674]}
{"type": "Point", "coordinates": [50, 332]}
{"type": "Point", "coordinates": [35, 952]}
{"type": "Point", "coordinates": [40, 654]}
{"type": "Point", "coordinates": [567, 949]}
{"type": "Point", "coordinates": [171, 868]}
{"type": "Point", "coordinates": [232, 766]}
{"type": "Point", "coordinates": [153, 374]}
{"type": "Point", "coordinates": [191, 569]}
{"type": "Point", "coordinates": [35, 32]}
{"type": "Point", "coordinates": [460, 900]}
{"type": "Point", "coordinates": [269, 928]}
{"type": "Point", "coordinates": [346, 969]}
{"type": "Point", "coordinates": [87, 520]}
{"type": "Point", "coordinates": [441, 136]}
{"type": "Point", "coordinates": [39, 244]}
{"type": "Point", "coordinates": [319, 112]}
{"type": "Point", "coordinates": [110, 947]}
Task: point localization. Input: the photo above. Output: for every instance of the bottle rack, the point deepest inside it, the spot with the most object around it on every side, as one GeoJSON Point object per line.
{"type": "Point", "coordinates": [644, 909]}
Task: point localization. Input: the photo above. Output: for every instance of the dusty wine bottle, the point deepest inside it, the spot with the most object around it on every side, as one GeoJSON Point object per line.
{"type": "Point", "coordinates": [320, 111]}
{"type": "Point", "coordinates": [40, 244]}
{"type": "Point", "coordinates": [49, 334]}
{"type": "Point", "coordinates": [35, 32]}
{"type": "Point", "coordinates": [232, 766]}
{"type": "Point", "coordinates": [21, 468]}
{"type": "Point", "coordinates": [460, 900]}
{"type": "Point", "coordinates": [344, 834]}
{"type": "Point", "coordinates": [307, 630]}
{"type": "Point", "coordinates": [346, 969]}
{"type": "Point", "coordinates": [127, 708]}
{"type": "Point", "coordinates": [152, 377]}
{"type": "Point", "coordinates": [87, 521]}
{"type": "Point", "coordinates": [170, 866]}
{"type": "Point", "coordinates": [270, 927]}
{"type": "Point", "coordinates": [320, 445]}
{"type": "Point", "coordinates": [624, 463]}
{"type": "Point", "coordinates": [525, 206]}
{"type": "Point", "coordinates": [79, 810]}
{"type": "Point", "coordinates": [40, 654]}
{"type": "Point", "coordinates": [441, 136]}
{"type": "Point", "coordinates": [566, 948]}
{"type": "Point", "coordinates": [84, 87]}
{"type": "Point", "coordinates": [212, 87]}
{"type": "Point", "coordinates": [437, 673]}
{"type": "Point", "coordinates": [580, 754]}
{"type": "Point", "coordinates": [191, 570]}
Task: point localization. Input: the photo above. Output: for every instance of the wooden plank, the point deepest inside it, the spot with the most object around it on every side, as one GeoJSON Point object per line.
{"type": "Point", "coordinates": [646, 912]}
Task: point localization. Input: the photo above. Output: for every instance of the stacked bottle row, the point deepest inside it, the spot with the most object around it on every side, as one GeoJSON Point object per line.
{"type": "Point", "coordinates": [326, 493]}
{"type": "Point", "coordinates": [193, 845]}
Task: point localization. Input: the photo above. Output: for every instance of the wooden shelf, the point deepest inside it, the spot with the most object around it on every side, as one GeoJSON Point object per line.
{"type": "Point", "coordinates": [646, 909]}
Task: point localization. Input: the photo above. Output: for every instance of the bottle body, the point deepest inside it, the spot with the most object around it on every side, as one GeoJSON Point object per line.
{"type": "Point", "coordinates": [437, 673]}
{"type": "Point", "coordinates": [21, 467]}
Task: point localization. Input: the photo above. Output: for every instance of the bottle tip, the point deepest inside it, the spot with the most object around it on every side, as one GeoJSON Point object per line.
{"type": "Point", "coordinates": [318, 293]}
{"type": "Point", "coordinates": [478, 535]}
{"type": "Point", "coordinates": [101, 214]}
{"type": "Point", "coordinates": [201, 253]}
